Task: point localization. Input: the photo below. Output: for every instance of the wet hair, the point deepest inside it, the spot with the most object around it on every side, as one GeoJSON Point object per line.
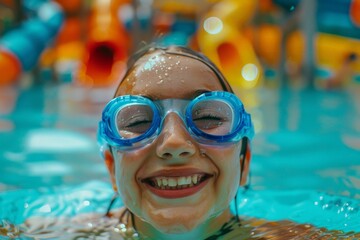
{"type": "Point", "coordinates": [179, 51]}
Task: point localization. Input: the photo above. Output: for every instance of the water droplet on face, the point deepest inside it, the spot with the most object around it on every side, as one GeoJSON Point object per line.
{"type": "Point", "coordinates": [169, 68]}
{"type": "Point", "coordinates": [166, 74]}
{"type": "Point", "coordinates": [182, 81]}
{"type": "Point", "coordinates": [161, 81]}
{"type": "Point", "coordinates": [189, 142]}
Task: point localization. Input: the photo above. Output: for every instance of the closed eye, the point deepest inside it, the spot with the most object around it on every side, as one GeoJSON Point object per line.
{"type": "Point", "coordinates": [209, 117]}
{"type": "Point", "coordinates": [137, 123]}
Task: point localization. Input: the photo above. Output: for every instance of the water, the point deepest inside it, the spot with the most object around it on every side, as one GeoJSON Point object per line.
{"type": "Point", "coordinates": [305, 168]}
{"type": "Point", "coordinates": [59, 205]}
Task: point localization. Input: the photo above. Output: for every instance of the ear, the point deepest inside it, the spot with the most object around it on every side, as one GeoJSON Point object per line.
{"type": "Point", "coordinates": [109, 162]}
{"type": "Point", "coordinates": [245, 165]}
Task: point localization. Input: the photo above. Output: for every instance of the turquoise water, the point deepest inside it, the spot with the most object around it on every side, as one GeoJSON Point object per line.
{"type": "Point", "coordinates": [306, 155]}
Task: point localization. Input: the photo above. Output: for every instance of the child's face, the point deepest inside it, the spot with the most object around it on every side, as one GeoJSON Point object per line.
{"type": "Point", "coordinates": [175, 153]}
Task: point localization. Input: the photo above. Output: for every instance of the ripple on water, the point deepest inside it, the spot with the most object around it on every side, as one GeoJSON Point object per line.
{"type": "Point", "coordinates": [318, 209]}
{"type": "Point", "coordinates": [77, 212]}
{"type": "Point", "coordinates": [92, 227]}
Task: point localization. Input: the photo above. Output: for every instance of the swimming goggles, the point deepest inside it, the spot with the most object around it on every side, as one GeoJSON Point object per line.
{"type": "Point", "coordinates": [218, 117]}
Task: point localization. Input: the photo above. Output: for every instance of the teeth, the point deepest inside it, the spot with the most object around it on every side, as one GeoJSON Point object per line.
{"type": "Point", "coordinates": [164, 181]}
{"type": "Point", "coordinates": [181, 181]}
{"type": "Point", "coordinates": [177, 182]}
{"type": "Point", "coordinates": [172, 182]}
{"type": "Point", "coordinates": [194, 179]}
{"type": "Point", "coordinates": [159, 182]}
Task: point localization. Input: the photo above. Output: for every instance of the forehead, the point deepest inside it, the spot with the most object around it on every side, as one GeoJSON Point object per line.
{"type": "Point", "coordinates": [161, 76]}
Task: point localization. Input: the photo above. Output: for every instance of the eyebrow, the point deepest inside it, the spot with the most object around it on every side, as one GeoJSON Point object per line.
{"type": "Point", "coordinates": [199, 92]}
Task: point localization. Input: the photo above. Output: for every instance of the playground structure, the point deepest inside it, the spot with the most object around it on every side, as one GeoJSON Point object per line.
{"type": "Point", "coordinates": [20, 48]}
{"type": "Point", "coordinates": [221, 37]}
{"type": "Point", "coordinates": [106, 47]}
{"type": "Point", "coordinates": [91, 46]}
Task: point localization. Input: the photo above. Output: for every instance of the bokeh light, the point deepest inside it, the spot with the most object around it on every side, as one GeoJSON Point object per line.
{"type": "Point", "coordinates": [213, 25]}
{"type": "Point", "coordinates": [250, 72]}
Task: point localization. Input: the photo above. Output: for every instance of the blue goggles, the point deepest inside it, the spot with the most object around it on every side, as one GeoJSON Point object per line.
{"type": "Point", "coordinates": [130, 122]}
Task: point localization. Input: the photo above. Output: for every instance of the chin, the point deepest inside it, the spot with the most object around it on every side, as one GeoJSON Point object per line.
{"type": "Point", "coordinates": [177, 221]}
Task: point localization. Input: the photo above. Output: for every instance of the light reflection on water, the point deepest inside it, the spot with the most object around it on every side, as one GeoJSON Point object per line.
{"type": "Point", "coordinates": [307, 146]}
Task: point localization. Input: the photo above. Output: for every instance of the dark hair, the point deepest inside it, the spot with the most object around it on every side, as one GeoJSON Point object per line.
{"type": "Point", "coordinates": [175, 50]}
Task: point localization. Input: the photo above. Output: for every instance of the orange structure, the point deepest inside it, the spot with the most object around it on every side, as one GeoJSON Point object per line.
{"type": "Point", "coordinates": [71, 7]}
{"type": "Point", "coordinates": [10, 67]}
{"type": "Point", "coordinates": [106, 48]}
{"type": "Point", "coordinates": [355, 12]}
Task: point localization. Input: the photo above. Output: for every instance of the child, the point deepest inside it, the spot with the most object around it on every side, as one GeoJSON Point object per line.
{"type": "Point", "coordinates": [176, 144]}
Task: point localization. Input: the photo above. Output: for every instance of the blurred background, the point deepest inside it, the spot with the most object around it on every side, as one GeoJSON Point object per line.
{"type": "Point", "coordinates": [255, 42]}
{"type": "Point", "coordinates": [294, 63]}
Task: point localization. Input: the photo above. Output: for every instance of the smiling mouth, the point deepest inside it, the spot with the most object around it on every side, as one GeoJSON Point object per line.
{"type": "Point", "coordinates": [176, 187]}
{"type": "Point", "coordinates": [175, 183]}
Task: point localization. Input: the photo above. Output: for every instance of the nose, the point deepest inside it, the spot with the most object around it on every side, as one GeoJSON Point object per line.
{"type": "Point", "coordinates": [174, 141]}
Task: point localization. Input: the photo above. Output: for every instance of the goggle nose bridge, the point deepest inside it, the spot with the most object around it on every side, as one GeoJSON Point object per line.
{"type": "Point", "coordinates": [167, 106]}
{"type": "Point", "coordinates": [177, 106]}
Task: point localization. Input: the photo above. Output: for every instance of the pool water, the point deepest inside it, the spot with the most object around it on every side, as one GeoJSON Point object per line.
{"type": "Point", "coordinates": [305, 166]}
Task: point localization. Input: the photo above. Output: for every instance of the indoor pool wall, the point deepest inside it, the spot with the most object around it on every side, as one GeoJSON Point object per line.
{"type": "Point", "coordinates": [305, 167]}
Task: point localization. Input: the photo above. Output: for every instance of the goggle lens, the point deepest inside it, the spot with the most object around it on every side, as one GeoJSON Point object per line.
{"type": "Point", "coordinates": [133, 120]}
{"type": "Point", "coordinates": [213, 117]}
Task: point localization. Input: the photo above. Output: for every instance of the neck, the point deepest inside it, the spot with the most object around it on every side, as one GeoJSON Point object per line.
{"type": "Point", "coordinates": [202, 231]}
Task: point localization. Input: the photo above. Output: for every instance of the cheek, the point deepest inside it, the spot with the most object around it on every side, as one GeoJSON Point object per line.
{"type": "Point", "coordinates": [126, 167]}
{"type": "Point", "coordinates": [227, 162]}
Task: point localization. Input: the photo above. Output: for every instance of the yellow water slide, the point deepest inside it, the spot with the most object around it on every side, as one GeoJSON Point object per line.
{"type": "Point", "coordinates": [220, 37]}
{"type": "Point", "coordinates": [331, 50]}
